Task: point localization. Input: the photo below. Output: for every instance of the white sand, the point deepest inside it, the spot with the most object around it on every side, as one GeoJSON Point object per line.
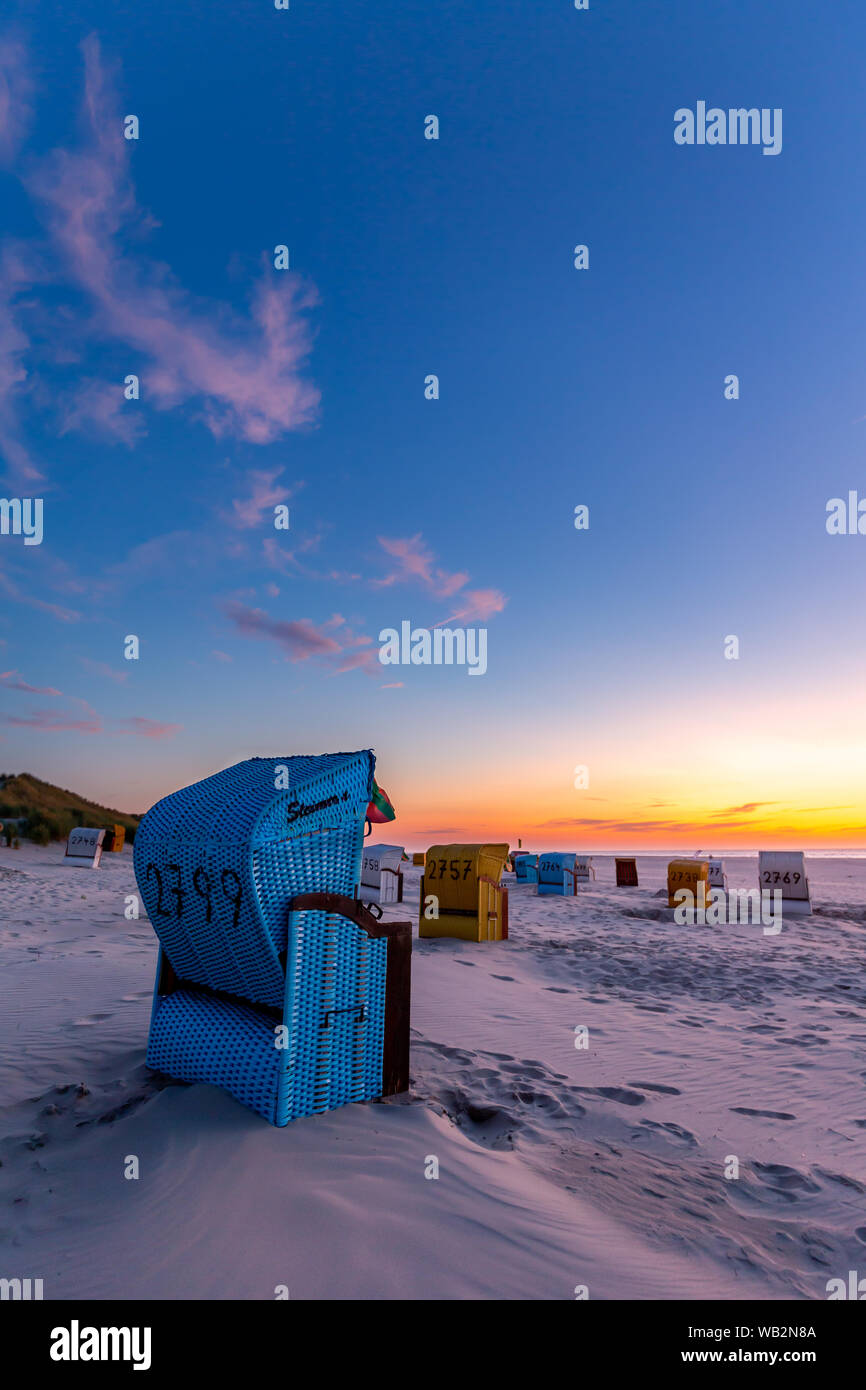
{"type": "Point", "coordinates": [558, 1167]}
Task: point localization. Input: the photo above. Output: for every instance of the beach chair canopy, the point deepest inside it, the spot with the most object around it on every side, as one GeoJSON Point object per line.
{"type": "Point", "coordinates": [219, 861]}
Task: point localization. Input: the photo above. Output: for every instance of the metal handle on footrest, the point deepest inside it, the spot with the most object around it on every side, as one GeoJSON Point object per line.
{"type": "Point", "coordinates": [359, 1009]}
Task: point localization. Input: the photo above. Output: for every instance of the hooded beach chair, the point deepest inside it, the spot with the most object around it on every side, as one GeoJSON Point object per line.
{"type": "Point", "coordinates": [717, 878]}
{"type": "Point", "coordinates": [84, 847]}
{"type": "Point", "coordinates": [114, 840]}
{"type": "Point", "coordinates": [381, 874]}
{"type": "Point", "coordinates": [557, 875]}
{"type": "Point", "coordinates": [784, 871]}
{"type": "Point", "coordinates": [525, 866]}
{"type": "Point", "coordinates": [626, 873]}
{"type": "Point", "coordinates": [273, 980]}
{"type": "Point", "coordinates": [688, 874]}
{"type": "Point", "coordinates": [470, 902]}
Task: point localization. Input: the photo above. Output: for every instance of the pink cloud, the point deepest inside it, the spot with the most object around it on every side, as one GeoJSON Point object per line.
{"type": "Point", "coordinates": [148, 728]}
{"type": "Point", "coordinates": [333, 641]}
{"type": "Point", "coordinates": [475, 605]}
{"type": "Point", "coordinates": [6, 677]}
{"type": "Point", "coordinates": [416, 561]}
{"type": "Point", "coordinates": [102, 404]}
{"type": "Point", "coordinates": [266, 493]}
{"type": "Point", "coordinates": [49, 722]}
{"type": "Point", "coordinates": [101, 668]}
{"type": "Point", "coordinates": [279, 557]}
{"type": "Point", "coordinates": [63, 615]}
{"type": "Point", "coordinates": [244, 376]}
{"type": "Point", "coordinates": [16, 89]}
{"type": "Point", "coordinates": [300, 639]}
{"type": "Point", "coordinates": [14, 379]}
{"type": "Point", "coordinates": [221, 656]}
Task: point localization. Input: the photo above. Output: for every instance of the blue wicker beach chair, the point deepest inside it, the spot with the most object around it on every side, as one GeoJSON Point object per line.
{"type": "Point", "coordinates": [273, 981]}
{"type": "Point", "coordinates": [557, 874]}
{"type": "Point", "coordinates": [526, 867]}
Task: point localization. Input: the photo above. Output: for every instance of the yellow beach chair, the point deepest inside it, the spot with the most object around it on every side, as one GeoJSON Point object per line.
{"type": "Point", "coordinates": [688, 873]}
{"type": "Point", "coordinates": [471, 902]}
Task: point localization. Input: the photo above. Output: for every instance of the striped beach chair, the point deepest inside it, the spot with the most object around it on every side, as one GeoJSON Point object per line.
{"type": "Point", "coordinates": [626, 873]}
{"type": "Point", "coordinates": [585, 868]}
{"type": "Point", "coordinates": [461, 886]}
{"type": "Point", "coordinates": [274, 981]}
{"type": "Point", "coordinates": [557, 875]}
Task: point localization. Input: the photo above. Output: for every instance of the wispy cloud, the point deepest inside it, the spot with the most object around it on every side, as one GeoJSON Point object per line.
{"type": "Point", "coordinates": [8, 679]}
{"type": "Point", "coordinates": [99, 406]}
{"type": "Point", "coordinates": [245, 378]}
{"type": "Point", "coordinates": [16, 92]}
{"type": "Point", "coordinates": [240, 375]}
{"type": "Point", "coordinates": [15, 274]}
{"type": "Point", "coordinates": [415, 561]}
{"type": "Point", "coordinates": [101, 668]}
{"type": "Point", "coordinates": [300, 639]}
{"type": "Point", "coordinates": [147, 728]}
{"type": "Point", "coordinates": [50, 722]}
{"type": "Point", "coordinates": [265, 493]}
{"type": "Point", "coordinates": [12, 591]}
{"type": "Point", "coordinates": [475, 605]}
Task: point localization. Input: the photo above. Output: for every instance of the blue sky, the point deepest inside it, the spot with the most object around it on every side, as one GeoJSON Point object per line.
{"type": "Point", "coordinates": [558, 387]}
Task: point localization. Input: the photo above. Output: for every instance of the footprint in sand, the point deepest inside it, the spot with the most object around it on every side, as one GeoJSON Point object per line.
{"type": "Point", "coordinates": [783, 1178]}
{"type": "Point", "coordinates": [762, 1114]}
{"type": "Point", "coordinates": [617, 1093]}
{"type": "Point", "coordinates": [683, 1138]}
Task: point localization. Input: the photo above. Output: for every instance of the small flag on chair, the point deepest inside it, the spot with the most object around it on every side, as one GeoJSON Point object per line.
{"type": "Point", "coordinates": [380, 808]}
